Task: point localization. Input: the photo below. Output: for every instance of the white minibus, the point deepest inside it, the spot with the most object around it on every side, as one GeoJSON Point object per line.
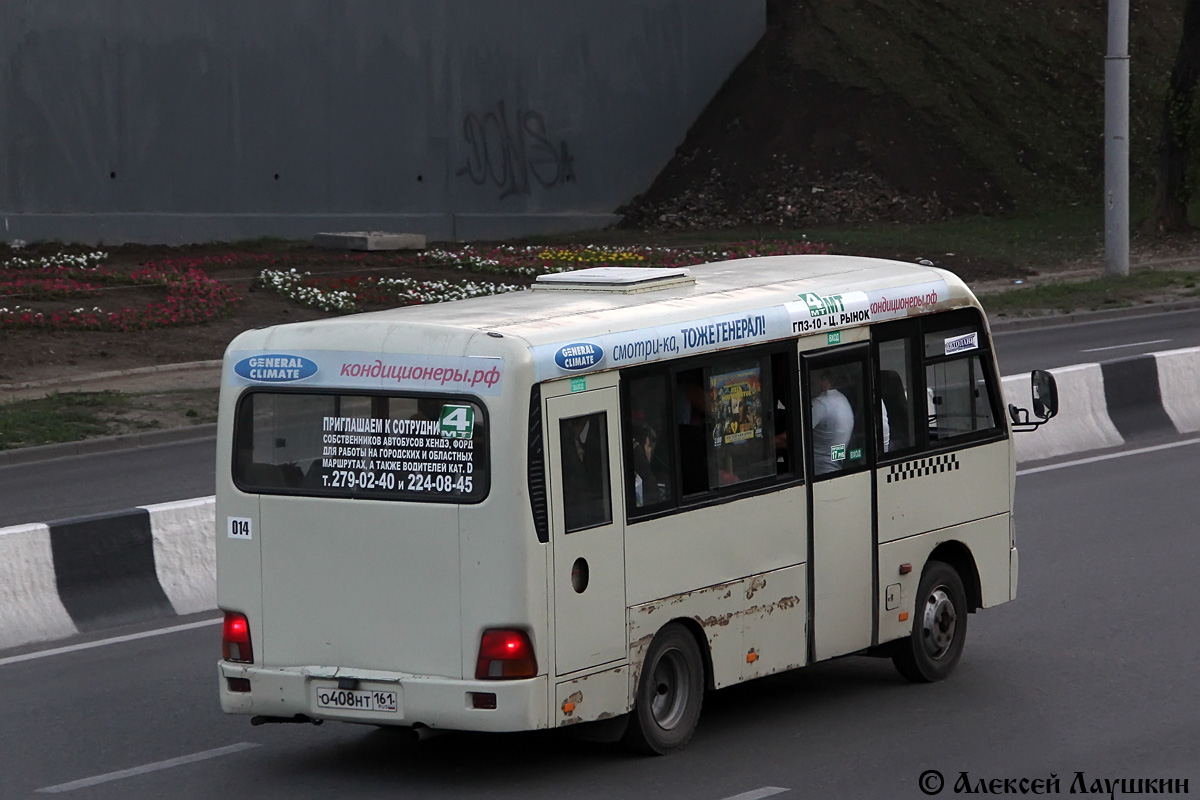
{"type": "Point", "coordinates": [592, 502]}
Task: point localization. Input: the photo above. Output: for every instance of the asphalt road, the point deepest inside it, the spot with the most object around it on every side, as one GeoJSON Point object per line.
{"type": "Point", "coordinates": [1091, 670]}
{"type": "Point", "coordinates": [1021, 350]}
{"type": "Point", "coordinates": [97, 483]}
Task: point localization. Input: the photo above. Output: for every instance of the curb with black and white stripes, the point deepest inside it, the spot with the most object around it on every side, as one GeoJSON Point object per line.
{"type": "Point", "coordinates": [1110, 404]}
{"type": "Point", "coordinates": [89, 573]}
{"type": "Point", "coordinates": [62, 578]}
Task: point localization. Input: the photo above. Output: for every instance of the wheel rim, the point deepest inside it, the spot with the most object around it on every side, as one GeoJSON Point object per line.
{"type": "Point", "coordinates": [670, 690]}
{"type": "Point", "coordinates": [939, 623]}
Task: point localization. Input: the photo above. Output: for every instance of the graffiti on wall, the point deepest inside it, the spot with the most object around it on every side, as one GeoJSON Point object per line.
{"type": "Point", "coordinates": [513, 154]}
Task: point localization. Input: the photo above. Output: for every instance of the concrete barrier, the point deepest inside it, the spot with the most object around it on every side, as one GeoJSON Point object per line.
{"type": "Point", "coordinates": [30, 609]}
{"type": "Point", "coordinates": [1082, 422]}
{"type": "Point", "coordinates": [90, 573]}
{"type": "Point", "coordinates": [1179, 383]}
{"type": "Point", "coordinates": [185, 556]}
{"type": "Point", "coordinates": [61, 578]}
{"type": "Point", "coordinates": [1106, 405]}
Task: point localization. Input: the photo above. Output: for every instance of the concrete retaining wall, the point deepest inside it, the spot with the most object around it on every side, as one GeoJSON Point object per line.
{"type": "Point", "coordinates": [212, 120]}
{"type": "Point", "coordinates": [64, 577]}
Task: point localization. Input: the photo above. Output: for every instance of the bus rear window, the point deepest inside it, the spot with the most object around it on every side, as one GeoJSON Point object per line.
{"type": "Point", "coordinates": [372, 446]}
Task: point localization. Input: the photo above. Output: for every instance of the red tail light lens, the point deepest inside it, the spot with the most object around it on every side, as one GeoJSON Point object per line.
{"type": "Point", "coordinates": [235, 639]}
{"type": "Point", "coordinates": [505, 655]}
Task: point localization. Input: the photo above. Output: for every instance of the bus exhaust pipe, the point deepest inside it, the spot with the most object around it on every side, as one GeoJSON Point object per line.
{"type": "Point", "coordinates": [421, 733]}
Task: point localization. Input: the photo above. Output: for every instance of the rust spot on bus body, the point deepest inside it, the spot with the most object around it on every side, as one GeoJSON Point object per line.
{"type": "Point", "coordinates": [756, 583]}
{"type": "Point", "coordinates": [711, 624]}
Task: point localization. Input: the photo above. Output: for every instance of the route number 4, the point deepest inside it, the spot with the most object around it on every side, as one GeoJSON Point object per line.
{"type": "Point", "coordinates": [457, 422]}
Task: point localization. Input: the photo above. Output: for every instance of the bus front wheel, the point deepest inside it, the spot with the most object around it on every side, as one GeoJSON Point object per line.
{"type": "Point", "coordinates": [670, 694]}
{"type": "Point", "coordinates": [939, 627]}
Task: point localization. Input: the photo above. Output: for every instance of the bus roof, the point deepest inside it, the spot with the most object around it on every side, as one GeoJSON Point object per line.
{"type": "Point", "coordinates": [729, 303]}
{"type": "Point", "coordinates": [720, 287]}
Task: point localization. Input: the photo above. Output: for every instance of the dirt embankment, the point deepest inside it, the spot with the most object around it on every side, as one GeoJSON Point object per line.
{"type": "Point", "coordinates": [911, 110]}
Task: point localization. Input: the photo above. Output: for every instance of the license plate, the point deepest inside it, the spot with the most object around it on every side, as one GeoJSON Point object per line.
{"type": "Point", "coordinates": [356, 699]}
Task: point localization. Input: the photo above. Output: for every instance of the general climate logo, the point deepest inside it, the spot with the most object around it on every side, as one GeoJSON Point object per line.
{"type": "Point", "coordinates": [579, 355]}
{"type": "Point", "coordinates": [275, 368]}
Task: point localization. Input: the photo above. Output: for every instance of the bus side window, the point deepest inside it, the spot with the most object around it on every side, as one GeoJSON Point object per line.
{"type": "Point", "coordinates": [958, 397]}
{"type": "Point", "coordinates": [649, 458]}
{"type": "Point", "coordinates": [693, 432]}
{"type": "Point", "coordinates": [897, 431]}
{"type": "Point", "coordinates": [960, 401]}
{"type": "Point", "coordinates": [583, 443]}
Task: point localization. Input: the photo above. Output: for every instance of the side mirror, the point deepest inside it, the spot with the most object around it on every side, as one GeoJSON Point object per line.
{"type": "Point", "coordinates": [1045, 402]}
{"type": "Point", "coordinates": [1045, 394]}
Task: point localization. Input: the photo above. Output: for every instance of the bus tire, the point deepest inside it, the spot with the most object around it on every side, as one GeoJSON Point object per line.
{"type": "Point", "coordinates": [939, 626]}
{"type": "Point", "coordinates": [669, 695]}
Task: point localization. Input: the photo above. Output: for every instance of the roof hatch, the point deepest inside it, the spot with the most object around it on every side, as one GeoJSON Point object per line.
{"type": "Point", "coordinates": [623, 280]}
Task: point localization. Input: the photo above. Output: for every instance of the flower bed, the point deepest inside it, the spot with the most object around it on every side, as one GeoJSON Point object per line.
{"type": "Point", "coordinates": [190, 297]}
{"type": "Point", "coordinates": [346, 294]}
{"type": "Point", "coordinates": [38, 292]}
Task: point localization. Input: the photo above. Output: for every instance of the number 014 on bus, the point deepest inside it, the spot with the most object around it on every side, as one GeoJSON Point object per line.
{"type": "Point", "coordinates": [593, 502]}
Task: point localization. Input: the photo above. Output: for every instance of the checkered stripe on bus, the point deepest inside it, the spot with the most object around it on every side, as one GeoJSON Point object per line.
{"type": "Point", "coordinates": [921, 467]}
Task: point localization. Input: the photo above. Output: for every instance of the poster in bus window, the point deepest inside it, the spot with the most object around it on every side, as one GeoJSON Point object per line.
{"type": "Point", "coordinates": [737, 406]}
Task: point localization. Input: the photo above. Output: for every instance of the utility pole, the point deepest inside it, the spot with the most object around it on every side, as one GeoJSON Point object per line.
{"type": "Point", "coordinates": [1116, 140]}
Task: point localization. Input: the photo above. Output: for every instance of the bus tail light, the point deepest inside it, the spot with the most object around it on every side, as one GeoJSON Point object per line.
{"type": "Point", "coordinates": [235, 639]}
{"type": "Point", "coordinates": [505, 655]}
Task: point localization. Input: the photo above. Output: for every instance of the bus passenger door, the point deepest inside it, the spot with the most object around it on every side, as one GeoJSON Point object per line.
{"type": "Point", "coordinates": [587, 528]}
{"type": "Point", "coordinates": [839, 442]}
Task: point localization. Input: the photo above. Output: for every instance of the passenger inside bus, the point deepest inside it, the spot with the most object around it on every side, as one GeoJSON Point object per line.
{"type": "Point", "coordinates": [897, 433]}
{"type": "Point", "coordinates": [832, 424]}
{"type": "Point", "coordinates": [584, 455]}
{"type": "Point", "coordinates": [648, 490]}
{"type": "Point", "coordinates": [651, 461]}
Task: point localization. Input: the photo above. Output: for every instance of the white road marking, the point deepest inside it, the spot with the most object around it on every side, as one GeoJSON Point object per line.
{"type": "Point", "coordinates": [1119, 346]}
{"type": "Point", "coordinates": [756, 794]}
{"type": "Point", "coordinates": [1108, 457]}
{"type": "Point", "coordinates": [142, 770]}
{"type": "Point", "coordinates": [72, 648]}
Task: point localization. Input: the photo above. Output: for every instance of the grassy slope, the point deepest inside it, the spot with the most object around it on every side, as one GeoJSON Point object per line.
{"type": "Point", "coordinates": [1018, 85]}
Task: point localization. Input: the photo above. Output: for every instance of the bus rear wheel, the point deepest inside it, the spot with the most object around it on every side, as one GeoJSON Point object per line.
{"type": "Point", "coordinates": [939, 626]}
{"type": "Point", "coordinates": [670, 694]}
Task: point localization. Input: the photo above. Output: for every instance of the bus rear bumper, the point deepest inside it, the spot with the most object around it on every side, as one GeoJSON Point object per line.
{"type": "Point", "coordinates": [421, 700]}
